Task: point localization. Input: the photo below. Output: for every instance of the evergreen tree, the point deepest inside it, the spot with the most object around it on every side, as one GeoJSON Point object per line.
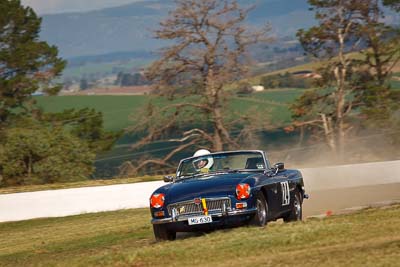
{"type": "Point", "coordinates": [348, 84]}
{"type": "Point", "coordinates": [83, 85]}
{"type": "Point", "coordinates": [26, 63]}
{"type": "Point", "coordinates": [86, 124]}
{"type": "Point", "coordinates": [40, 155]}
{"type": "Point", "coordinates": [36, 147]}
{"type": "Point", "coordinates": [375, 67]}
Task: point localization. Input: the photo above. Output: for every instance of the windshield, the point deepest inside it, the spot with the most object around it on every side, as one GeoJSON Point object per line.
{"type": "Point", "coordinates": [222, 162]}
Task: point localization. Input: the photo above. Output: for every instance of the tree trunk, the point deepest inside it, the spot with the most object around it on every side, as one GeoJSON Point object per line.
{"type": "Point", "coordinates": [329, 134]}
{"type": "Point", "coordinates": [220, 132]}
{"type": "Point", "coordinates": [301, 136]}
{"type": "Point", "coordinates": [340, 75]}
{"type": "Point", "coordinates": [29, 167]}
{"type": "Point", "coordinates": [340, 121]}
{"type": "Point", "coordinates": [214, 91]}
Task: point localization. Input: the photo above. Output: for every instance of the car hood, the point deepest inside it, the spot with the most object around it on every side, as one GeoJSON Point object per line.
{"type": "Point", "coordinates": [205, 186]}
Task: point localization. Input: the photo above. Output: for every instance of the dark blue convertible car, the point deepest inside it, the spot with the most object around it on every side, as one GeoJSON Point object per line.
{"type": "Point", "coordinates": [226, 189]}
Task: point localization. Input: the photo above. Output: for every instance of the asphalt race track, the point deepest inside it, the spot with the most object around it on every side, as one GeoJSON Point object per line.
{"type": "Point", "coordinates": [347, 199]}
{"type": "Point", "coordinates": [332, 190]}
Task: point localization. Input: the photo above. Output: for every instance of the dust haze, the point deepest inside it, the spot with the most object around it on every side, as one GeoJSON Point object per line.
{"type": "Point", "coordinates": [369, 147]}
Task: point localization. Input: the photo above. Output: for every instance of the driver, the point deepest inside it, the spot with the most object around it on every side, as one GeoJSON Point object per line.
{"type": "Point", "coordinates": [203, 164]}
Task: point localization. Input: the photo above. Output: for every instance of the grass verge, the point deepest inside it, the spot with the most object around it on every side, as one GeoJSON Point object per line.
{"type": "Point", "coordinates": [124, 238]}
{"type": "Point", "coordinates": [87, 183]}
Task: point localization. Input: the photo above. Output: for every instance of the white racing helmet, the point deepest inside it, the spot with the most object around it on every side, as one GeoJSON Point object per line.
{"type": "Point", "coordinates": [200, 153]}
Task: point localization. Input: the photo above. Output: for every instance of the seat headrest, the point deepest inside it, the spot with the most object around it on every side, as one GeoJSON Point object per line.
{"type": "Point", "coordinates": [255, 163]}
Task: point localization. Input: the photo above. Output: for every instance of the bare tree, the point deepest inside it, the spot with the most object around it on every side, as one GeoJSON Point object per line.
{"type": "Point", "coordinates": [209, 50]}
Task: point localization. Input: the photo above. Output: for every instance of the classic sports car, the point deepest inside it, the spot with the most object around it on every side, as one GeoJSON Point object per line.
{"type": "Point", "coordinates": [226, 189]}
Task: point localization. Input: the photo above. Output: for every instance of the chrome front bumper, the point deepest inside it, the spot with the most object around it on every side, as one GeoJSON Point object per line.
{"type": "Point", "coordinates": [185, 218]}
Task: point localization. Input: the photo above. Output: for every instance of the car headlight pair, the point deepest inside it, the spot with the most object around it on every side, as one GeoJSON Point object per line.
{"type": "Point", "coordinates": [242, 192]}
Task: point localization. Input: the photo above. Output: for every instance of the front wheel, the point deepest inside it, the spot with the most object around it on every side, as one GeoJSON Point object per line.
{"type": "Point", "coordinates": [296, 212]}
{"type": "Point", "coordinates": [161, 233]}
{"type": "Point", "coordinates": [260, 218]}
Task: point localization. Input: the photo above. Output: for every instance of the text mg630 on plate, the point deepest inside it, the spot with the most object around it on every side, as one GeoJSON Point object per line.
{"type": "Point", "coordinates": [199, 220]}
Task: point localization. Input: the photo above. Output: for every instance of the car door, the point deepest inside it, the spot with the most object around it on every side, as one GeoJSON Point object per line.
{"type": "Point", "coordinates": [275, 187]}
{"type": "Point", "coordinates": [284, 192]}
{"type": "Point", "coordinates": [278, 190]}
{"type": "Point", "coordinates": [279, 195]}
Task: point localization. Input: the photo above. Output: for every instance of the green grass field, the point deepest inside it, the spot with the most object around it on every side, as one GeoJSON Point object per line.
{"type": "Point", "coordinates": [271, 105]}
{"type": "Point", "coordinates": [117, 110]}
{"type": "Point", "coordinates": [124, 238]}
{"type": "Point", "coordinates": [286, 96]}
{"type": "Point", "coordinates": [395, 84]}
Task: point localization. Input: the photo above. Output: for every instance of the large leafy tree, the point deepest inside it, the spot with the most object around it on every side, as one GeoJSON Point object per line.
{"type": "Point", "coordinates": [376, 66]}
{"type": "Point", "coordinates": [209, 49]}
{"type": "Point", "coordinates": [26, 63]}
{"type": "Point", "coordinates": [39, 155]}
{"type": "Point", "coordinates": [349, 83]}
{"type": "Point", "coordinates": [332, 40]}
{"type": "Point", "coordinates": [37, 147]}
{"type": "Point", "coordinates": [86, 124]}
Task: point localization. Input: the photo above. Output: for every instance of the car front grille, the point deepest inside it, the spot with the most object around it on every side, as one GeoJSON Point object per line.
{"type": "Point", "coordinates": [214, 205]}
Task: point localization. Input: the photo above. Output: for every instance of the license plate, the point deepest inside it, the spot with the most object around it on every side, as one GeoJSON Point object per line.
{"type": "Point", "coordinates": [199, 220]}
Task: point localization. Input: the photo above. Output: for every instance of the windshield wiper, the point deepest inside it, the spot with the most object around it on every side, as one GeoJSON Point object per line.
{"type": "Point", "coordinates": [219, 172]}
{"type": "Point", "coordinates": [244, 170]}
{"type": "Point", "coordinates": [184, 177]}
{"type": "Point", "coordinates": [236, 170]}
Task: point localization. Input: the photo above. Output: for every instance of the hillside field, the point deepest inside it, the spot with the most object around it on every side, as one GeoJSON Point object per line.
{"type": "Point", "coordinates": [125, 238]}
{"type": "Point", "coordinates": [118, 109]}
{"type": "Point", "coordinates": [271, 105]}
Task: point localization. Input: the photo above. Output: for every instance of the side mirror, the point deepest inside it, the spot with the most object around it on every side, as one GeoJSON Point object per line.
{"type": "Point", "coordinates": [279, 166]}
{"type": "Point", "coordinates": [169, 179]}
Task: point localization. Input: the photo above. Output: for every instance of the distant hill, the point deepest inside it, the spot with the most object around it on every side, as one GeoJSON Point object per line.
{"type": "Point", "coordinates": [128, 28]}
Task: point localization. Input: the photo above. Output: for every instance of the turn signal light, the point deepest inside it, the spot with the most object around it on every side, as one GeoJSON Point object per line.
{"type": "Point", "coordinates": [241, 205]}
{"type": "Point", "coordinates": [159, 214]}
{"type": "Point", "coordinates": [243, 191]}
{"type": "Point", "coordinates": [157, 200]}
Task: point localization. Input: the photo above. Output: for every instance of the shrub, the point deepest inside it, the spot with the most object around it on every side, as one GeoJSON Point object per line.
{"type": "Point", "coordinates": [42, 155]}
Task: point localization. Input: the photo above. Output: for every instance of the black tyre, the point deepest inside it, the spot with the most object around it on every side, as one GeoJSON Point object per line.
{"type": "Point", "coordinates": [161, 233]}
{"type": "Point", "coordinates": [296, 211]}
{"type": "Point", "coordinates": [260, 218]}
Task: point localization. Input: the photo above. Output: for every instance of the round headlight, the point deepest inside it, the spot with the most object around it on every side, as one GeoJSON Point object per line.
{"type": "Point", "coordinates": [243, 191]}
{"type": "Point", "coordinates": [157, 200]}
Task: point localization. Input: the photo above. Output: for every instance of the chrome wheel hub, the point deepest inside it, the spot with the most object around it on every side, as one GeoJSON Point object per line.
{"type": "Point", "coordinates": [297, 207]}
{"type": "Point", "coordinates": [262, 214]}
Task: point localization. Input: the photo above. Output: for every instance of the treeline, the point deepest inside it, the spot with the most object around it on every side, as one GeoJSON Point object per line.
{"type": "Point", "coordinates": [38, 147]}
{"type": "Point", "coordinates": [286, 80]}
{"type": "Point", "coordinates": [131, 79]}
{"type": "Point", "coordinates": [123, 79]}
